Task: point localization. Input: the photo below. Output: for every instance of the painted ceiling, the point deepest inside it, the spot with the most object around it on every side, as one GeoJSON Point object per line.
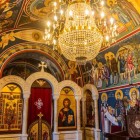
{"type": "Point", "coordinates": [22, 24]}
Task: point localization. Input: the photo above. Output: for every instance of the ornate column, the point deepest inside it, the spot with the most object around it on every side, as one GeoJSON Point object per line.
{"type": "Point", "coordinates": [84, 111]}
{"type": "Point", "coordinates": [78, 112]}
{"type": "Point", "coordinates": [25, 116]}
{"type": "Point", "coordinates": [97, 130]}
{"type": "Point", "coordinates": [55, 114]}
{"type": "Point", "coordinates": [55, 133]}
{"type": "Point", "coordinates": [79, 132]}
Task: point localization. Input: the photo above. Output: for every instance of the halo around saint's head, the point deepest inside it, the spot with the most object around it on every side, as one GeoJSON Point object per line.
{"type": "Point", "coordinates": [104, 95]}
{"type": "Point", "coordinates": [132, 90]}
{"type": "Point", "coordinates": [120, 94]}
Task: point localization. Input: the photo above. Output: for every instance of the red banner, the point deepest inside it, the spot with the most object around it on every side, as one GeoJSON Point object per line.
{"type": "Point", "coordinates": [40, 101]}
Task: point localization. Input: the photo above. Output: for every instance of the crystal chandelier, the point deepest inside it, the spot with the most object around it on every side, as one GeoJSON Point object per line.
{"type": "Point", "coordinates": [78, 33]}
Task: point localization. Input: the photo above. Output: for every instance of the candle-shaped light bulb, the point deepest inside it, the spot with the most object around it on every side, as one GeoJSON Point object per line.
{"type": "Point", "coordinates": [111, 20]}
{"type": "Point", "coordinates": [102, 14]}
{"type": "Point", "coordinates": [92, 13]}
{"type": "Point", "coordinates": [54, 41]}
{"type": "Point", "coordinates": [107, 38]}
{"type": "Point", "coordinates": [49, 35]}
{"type": "Point", "coordinates": [115, 27]}
{"type": "Point", "coordinates": [55, 18]}
{"type": "Point", "coordinates": [48, 23]}
{"type": "Point", "coordinates": [55, 4]}
{"type": "Point", "coordinates": [102, 3]}
{"type": "Point", "coordinates": [70, 13]}
{"type": "Point", "coordinates": [86, 12]}
{"type": "Point", "coordinates": [61, 12]}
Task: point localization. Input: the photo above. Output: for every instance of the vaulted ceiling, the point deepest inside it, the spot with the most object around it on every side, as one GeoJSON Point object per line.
{"type": "Point", "coordinates": [22, 24]}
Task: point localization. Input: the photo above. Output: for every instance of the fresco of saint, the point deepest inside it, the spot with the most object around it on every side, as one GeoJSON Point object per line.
{"type": "Point", "coordinates": [119, 108]}
{"type": "Point", "coordinates": [134, 95]}
{"type": "Point", "coordinates": [104, 106]}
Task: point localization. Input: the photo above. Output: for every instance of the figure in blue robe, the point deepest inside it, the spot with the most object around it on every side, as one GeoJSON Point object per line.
{"type": "Point", "coordinates": [119, 111]}
{"type": "Point", "coordinates": [66, 115]}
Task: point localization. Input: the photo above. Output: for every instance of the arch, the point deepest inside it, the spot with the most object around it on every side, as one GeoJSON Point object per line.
{"type": "Point", "coordinates": [13, 79]}
{"type": "Point", "coordinates": [67, 83]}
{"type": "Point", "coordinates": [42, 75]}
{"type": "Point", "coordinates": [93, 90]}
{"type": "Point", "coordinates": [40, 48]}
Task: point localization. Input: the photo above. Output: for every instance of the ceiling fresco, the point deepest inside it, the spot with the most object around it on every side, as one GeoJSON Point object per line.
{"type": "Point", "coordinates": [9, 10]}
{"type": "Point", "coordinates": [22, 25]}
{"type": "Point", "coordinates": [25, 64]}
{"type": "Point", "coordinates": [33, 14]}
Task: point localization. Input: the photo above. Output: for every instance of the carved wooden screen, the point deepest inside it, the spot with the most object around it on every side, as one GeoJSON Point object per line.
{"type": "Point", "coordinates": [133, 123]}
{"type": "Point", "coordinates": [11, 109]}
{"type": "Point", "coordinates": [39, 130]}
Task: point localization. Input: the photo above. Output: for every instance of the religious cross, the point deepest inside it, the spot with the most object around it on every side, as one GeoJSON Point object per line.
{"type": "Point", "coordinates": [40, 126]}
{"type": "Point", "coordinates": [42, 65]}
{"type": "Point", "coordinates": [40, 115]}
{"type": "Point", "coordinates": [39, 103]}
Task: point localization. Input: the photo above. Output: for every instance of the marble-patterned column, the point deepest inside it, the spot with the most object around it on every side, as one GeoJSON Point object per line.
{"type": "Point", "coordinates": [84, 111]}
{"type": "Point", "coordinates": [78, 112]}
{"type": "Point", "coordinates": [97, 130]}
{"type": "Point", "coordinates": [79, 132]}
{"type": "Point", "coordinates": [55, 133]}
{"type": "Point", "coordinates": [25, 117]}
{"type": "Point", "coordinates": [55, 114]}
{"type": "Point", "coordinates": [96, 114]}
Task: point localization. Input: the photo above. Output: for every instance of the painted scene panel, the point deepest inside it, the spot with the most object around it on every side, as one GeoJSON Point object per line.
{"type": "Point", "coordinates": [114, 106]}
{"type": "Point", "coordinates": [11, 106]}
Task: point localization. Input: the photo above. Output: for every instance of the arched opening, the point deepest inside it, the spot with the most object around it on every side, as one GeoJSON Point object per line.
{"type": "Point", "coordinates": [27, 63]}
{"type": "Point", "coordinates": [90, 109]}
{"type": "Point", "coordinates": [90, 112]}
{"type": "Point", "coordinates": [40, 107]}
{"type": "Point", "coordinates": [11, 108]}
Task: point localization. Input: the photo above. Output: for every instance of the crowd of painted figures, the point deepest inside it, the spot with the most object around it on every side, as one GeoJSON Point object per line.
{"type": "Point", "coordinates": [120, 69]}
{"type": "Point", "coordinates": [115, 116]}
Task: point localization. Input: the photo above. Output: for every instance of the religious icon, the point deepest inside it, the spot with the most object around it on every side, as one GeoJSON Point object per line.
{"type": "Point", "coordinates": [134, 95]}
{"type": "Point", "coordinates": [11, 108]}
{"type": "Point", "coordinates": [66, 109]}
{"type": "Point", "coordinates": [66, 114]}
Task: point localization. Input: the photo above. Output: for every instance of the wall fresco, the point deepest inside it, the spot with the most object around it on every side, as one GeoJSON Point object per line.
{"type": "Point", "coordinates": [8, 13]}
{"type": "Point", "coordinates": [114, 105]}
{"type": "Point", "coordinates": [116, 66]}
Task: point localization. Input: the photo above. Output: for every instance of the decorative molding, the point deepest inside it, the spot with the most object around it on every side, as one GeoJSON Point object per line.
{"type": "Point", "coordinates": [42, 75]}
{"type": "Point", "coordinates": [12, 79]}
{"type": "Point", "coordinates": [8, 54]}
{"type": "Point", "coordinates": [68, 83]}
{"type": "Point", "coordinates": [93, 90]}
